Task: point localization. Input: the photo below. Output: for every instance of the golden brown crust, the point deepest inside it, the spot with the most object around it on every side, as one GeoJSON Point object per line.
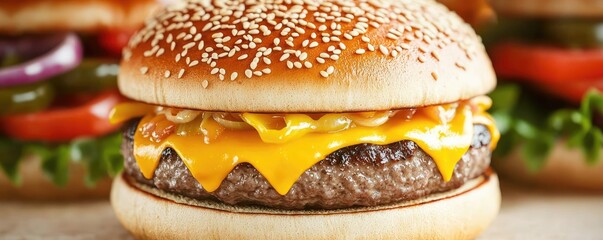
{"type": "Point", "coordinates": [565, 169]}
{"type": "Point", "coordinates": [460, 214]}
{"type": "Point", "coordinates": [18, 16]}
{"type": "Point", "coordinates": [420, 54]}
{"type": "Point", "coordinates": [36, 186]}
{"type": "Point", "coordinates": [549, 8]}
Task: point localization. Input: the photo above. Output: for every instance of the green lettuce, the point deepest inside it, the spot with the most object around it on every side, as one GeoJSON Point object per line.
{"type": "Point", "coordinates": [530, 122]}
{"type": "Point", "coordinates": [100, 157]}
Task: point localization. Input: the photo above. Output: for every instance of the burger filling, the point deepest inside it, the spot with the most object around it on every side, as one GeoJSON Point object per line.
{"type": "Point", "coordinates": [301, 160]}
{"type": "Point", "coordinates": [55, 102]}
{"type": "Point", "coordinates": [358, 175]}
{"type": "Point", "coordinates": [553, 72]}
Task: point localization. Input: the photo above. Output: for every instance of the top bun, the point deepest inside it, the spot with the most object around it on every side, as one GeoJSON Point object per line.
{"type": "Point", "coordinates": [305, 56]}
{"type": "Point", "coordinates": [18, 16]}
{"type": "Point", "coordinates": [549, 8]}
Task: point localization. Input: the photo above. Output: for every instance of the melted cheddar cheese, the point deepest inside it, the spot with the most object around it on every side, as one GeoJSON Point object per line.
{"type": "Point", "coordinates": [444, 132]}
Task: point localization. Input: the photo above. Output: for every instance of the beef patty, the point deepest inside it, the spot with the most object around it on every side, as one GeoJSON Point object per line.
{"type": "Point", "coordinates": [359, 175]}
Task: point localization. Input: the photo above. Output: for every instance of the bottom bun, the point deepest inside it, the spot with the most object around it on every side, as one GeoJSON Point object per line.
{"type": "Point", "coordinates": [459, 214]}
{"type": "Point", "coordinates": [565, 169]}
{"type": "Point", "coordinates": [35, 185]}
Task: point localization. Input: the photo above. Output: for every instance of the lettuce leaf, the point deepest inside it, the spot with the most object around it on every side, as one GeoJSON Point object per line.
{"type": "Point", "coordinates": [525, 120]}
{"type": "Point", "coordinates": [10, 153]}
{"type": "Point", "coordinates": [100, 157]}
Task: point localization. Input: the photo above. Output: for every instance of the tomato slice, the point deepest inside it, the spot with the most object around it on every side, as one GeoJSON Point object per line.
{"type": "Point", "coordinates": [573, 91]}
{"type": "Point", "coordinates": [115, 40]}
{"type": "Point", "coordinates": [90, 119]}
{"type": "Point", "coordinates": [546, 64]}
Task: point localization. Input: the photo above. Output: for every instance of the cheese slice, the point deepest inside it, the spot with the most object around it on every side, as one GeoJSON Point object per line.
{"type": "Point", "coordinates": [444, 132]}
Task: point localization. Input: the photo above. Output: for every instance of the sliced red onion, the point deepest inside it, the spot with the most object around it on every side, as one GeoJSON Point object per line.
{"type": "Point", "coordinates": [63, 57]}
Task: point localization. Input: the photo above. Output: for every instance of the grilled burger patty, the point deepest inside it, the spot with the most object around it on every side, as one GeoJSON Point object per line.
{"type": "Point", "coordinates": [360, 175]}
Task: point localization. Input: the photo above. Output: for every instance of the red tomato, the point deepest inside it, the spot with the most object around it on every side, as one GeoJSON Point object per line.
{"type": "Point", "coordinates": [114, 41]}
{"type": "Point", "coordinates": [573, 91]}
{"type": "Point", "coordinates": [545, 64]}
{"type": "Point", "coordinates": [63, 124]}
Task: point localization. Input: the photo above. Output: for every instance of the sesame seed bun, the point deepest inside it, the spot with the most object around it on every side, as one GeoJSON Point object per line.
{"type": "Point", "coordinates": [36, 186]}
{"type": "Point", "coordinates": [341, 56]}
{"type": "Point", "coordinates": [565, 169]}
{"type": "Point", "coordinates": [17, 16]}
{"type": "Point", "coordinates": [549, 8]}
{"type": "Point", "coordinates": [459, 214]}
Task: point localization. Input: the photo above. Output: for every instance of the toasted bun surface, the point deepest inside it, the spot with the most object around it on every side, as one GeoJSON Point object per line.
{"type": "Point", "coordinates": [565, 169]}
{"type": "Point", "coordinates": [37, 187]}
{"type": "Point", "coordinates": [549, 8]}
{"type": "Point", "coordinates": [17, 16]}
{"type": "Point", "coordinates": [459, 214]}
{"type": "Point", "coordinates": [339, 56]}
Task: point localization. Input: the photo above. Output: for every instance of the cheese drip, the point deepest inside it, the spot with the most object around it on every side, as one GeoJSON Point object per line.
{"type": "Point", "coordinates": [444, 132]}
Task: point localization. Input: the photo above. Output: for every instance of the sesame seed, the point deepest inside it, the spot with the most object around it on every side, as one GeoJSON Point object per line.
{"type": "Point", "coordinates": [205, 83]}
{"type": "Point", "coordinates": [434, 75]}
{"type": "Point", "coordinates": [330, 70]}
{"type": "Point", "coordinates": [303, 56]}
{"type": "Point", "coordinates": [435, 55]}
{"type": "Point", "coordinates": [284, 57]}
{"type": "Point", "coordinates": [167, 74]}
{"type": "Point", "coordinates": [360, 51]}
{"type": "Point", "coordinates": [233, 76]}
{"type": "Point", "coordinates": [383, 50]}
{"type": "Point", "coordinates": [180, 73]}
{"type": "Point", "coordinates": [248, 73]}
{"type": "Point", "coordinates": [421, 59]}
{"type": "Point", "coordinates": [324, 74]}
{"type": "Point", "coordinates": [459, 65]}
{"type": "Point", "coordinates": [144, 70]}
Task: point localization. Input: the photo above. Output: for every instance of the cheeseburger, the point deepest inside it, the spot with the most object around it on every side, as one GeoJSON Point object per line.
{"type": "Point", "coordinates": [58, 83]}
{"type": "Point", "coordinates": [550, 56]}
{"type": "Point", "coordinates": [333, 119]}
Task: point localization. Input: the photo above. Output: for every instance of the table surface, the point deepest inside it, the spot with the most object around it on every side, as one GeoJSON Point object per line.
{"type": "Point", "coordinates": [525, 214]}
